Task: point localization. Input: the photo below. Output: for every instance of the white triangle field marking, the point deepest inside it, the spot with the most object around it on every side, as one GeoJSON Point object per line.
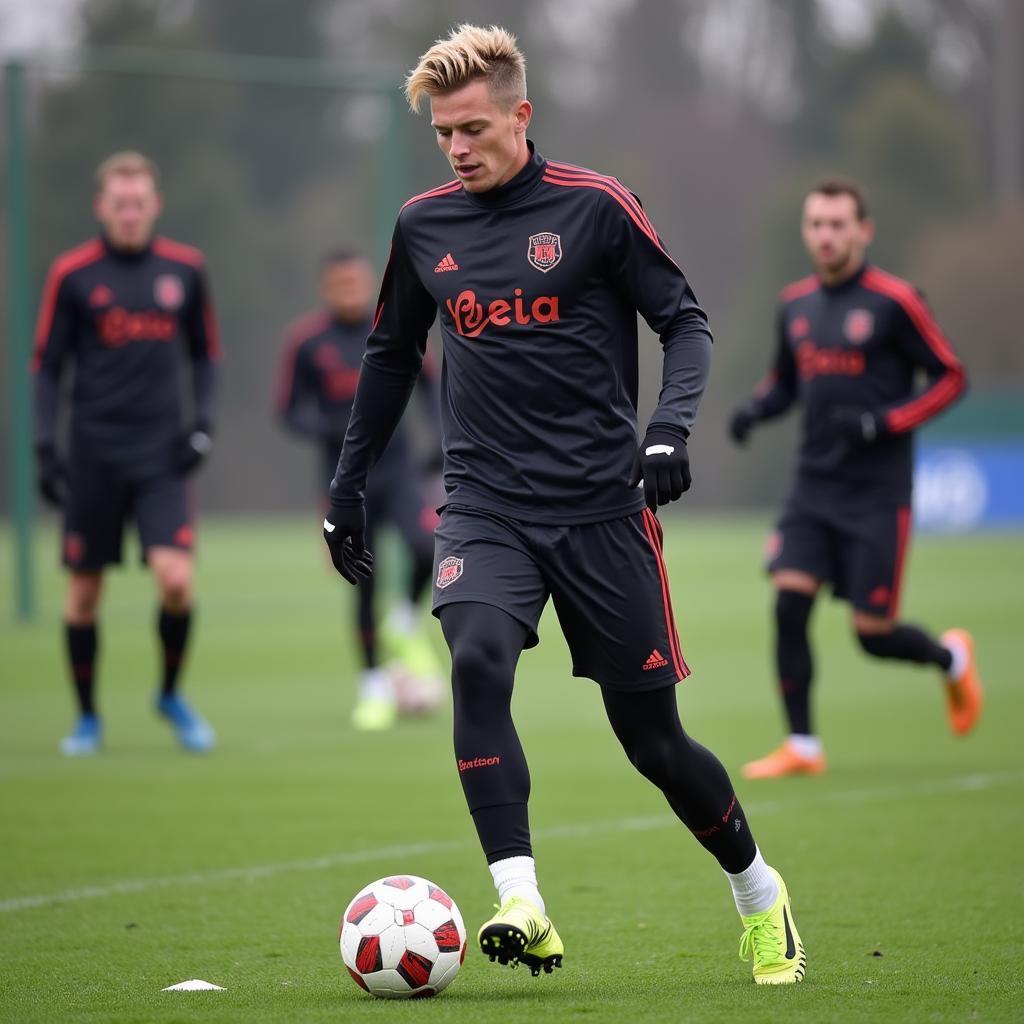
{"type": "Point", "coordinates": [193, 985]}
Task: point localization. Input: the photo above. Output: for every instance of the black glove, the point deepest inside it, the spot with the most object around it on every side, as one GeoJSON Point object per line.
{"type": "Point", "coordinates": [191, 448]}
{"type": "Point", "coordinates": [857, 425]}
{"type": "Point", "coordinates": [663, 465]}
{"type": "Point", "coordinates": [51, 475]}
{"type": "Point", "coordinates": [742, 422]}
{"type": "Point", "coordinates": [344, 531]}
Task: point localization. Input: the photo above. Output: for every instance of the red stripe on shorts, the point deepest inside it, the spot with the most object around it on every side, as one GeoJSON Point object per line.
{"type": "Point", "coordinates": [653, 530]}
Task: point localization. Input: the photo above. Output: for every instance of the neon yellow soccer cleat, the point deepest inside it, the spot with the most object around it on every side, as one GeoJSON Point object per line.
{"type": "Point", "coordinates": [409, 643]}
{"type": "Point", "coordinates": [771, 937]}
{"type": "Point", "coordinates": [374, 714]}
{"type": "Point", "coordinates": [519, 932]}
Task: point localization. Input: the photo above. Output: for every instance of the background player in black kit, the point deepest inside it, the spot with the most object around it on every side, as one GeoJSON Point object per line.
{"type": "Point", "coordinates": [317, 382]}
{"type": "Point", "coordinates": [123, 309]}
{"type": "Point", "coordinates": [538, 270]}
{"type": "Point", "coordinates": [852, 340]}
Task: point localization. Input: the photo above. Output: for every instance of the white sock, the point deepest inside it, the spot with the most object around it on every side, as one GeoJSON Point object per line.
{"type": "Point", "coordinates": [806, 746]}
{"type": "Point", "coordinates": [403, 618]}
{"type": "Point", "coordinates": [958, 665]}
{"type": "Point", "coordinates": [755, 889]}
{"type": "Point", "coordinates": [517, 876]}
{"type": "Point", "coordinates": [376, 684]}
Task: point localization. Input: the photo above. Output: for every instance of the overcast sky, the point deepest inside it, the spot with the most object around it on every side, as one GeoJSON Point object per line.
{"type": "Point", "coordinates": [50, 24]}
{"type": "Point", "coordinates": [36, 24]}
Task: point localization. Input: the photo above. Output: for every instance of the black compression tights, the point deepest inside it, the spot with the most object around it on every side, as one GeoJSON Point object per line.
{"type": "Point", "coordinates": [486, 643]}
{"type": "Point", "coordinates": [694, 781]}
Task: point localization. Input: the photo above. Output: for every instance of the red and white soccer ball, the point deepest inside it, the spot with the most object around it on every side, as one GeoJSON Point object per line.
{"type": "Point", "coordinates": [402, 938]}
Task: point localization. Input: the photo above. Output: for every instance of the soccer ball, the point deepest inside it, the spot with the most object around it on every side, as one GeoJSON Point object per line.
{"type": "Point", "coordinates": [402, 938]}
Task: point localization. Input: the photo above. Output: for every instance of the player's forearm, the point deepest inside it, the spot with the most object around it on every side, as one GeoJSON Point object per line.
{"type": "Point", "coordinates": [684, 374]}
{"type": "Point", "coordinates": [771, 398]}
{"type": "Point", "coordinates": [940, 394]}
{"type": "Point", "coordinates": [381, 398]}
{"type": "Point", "coordinates": [45, 398]}
{"type": "Point", "coordinates": [204, 393]}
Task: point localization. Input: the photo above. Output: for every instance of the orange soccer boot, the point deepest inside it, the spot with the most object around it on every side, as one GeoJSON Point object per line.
{"type": "Point", "coordinates": [787, 760]}
{"type": "Point", "coordinates": [964, 696]}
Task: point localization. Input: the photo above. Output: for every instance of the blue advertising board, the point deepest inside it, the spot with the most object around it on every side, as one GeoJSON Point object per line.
{"type": "Point", "coordinates": [959, 487]}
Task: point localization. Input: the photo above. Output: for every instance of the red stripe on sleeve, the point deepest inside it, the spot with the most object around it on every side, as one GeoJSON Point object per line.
{"type": "Point", "coordinates": [551, 178]}
{"type": "Point", "coordinates": [172, 250]}
{"type": "Point", "coordinates": [930, 404]}
{"type": "Point", "coordinates": [797, 289]}
{"type": "Point", "coordinates": [73, 259]}
{"type": "Point", "coordinates": [570, 170]}
{"type": "Point", "coordinates": [765, 384]}
{"type": "Point", "coordinates": [948, 387]}
{"type": "Point", "coordinates": [213, 349]}
{"type": "Point", "coordinates": [441, 190]}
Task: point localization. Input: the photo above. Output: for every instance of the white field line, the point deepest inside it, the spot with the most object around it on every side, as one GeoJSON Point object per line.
{"type": "Point", "coordinates": [581, 830]}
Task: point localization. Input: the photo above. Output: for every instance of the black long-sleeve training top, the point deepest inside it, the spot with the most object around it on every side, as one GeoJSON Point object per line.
{"type": "Point", "coordinates": [859, 344]}
{"type": "Point", "coordinates": [124, 319]}
{"type": "Point", "coordinates": [317, 379]}
{"type": "Point", "coordinates": [538, 284]}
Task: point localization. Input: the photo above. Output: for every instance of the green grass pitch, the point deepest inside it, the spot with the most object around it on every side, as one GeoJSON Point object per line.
{"type": "Point", "coordinates": [144, 867]}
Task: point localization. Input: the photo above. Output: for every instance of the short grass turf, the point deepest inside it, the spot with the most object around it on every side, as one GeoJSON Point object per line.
{"type": "Point", "coordinates": [144, 866]}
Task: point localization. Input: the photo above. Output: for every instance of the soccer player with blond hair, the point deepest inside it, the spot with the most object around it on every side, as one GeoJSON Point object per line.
{"type": "Point", "coordinates": [538, 269]}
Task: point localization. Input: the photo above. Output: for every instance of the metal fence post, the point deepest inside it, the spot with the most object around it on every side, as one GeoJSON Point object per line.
{"type": "Point", "coordinates": [18, 344]}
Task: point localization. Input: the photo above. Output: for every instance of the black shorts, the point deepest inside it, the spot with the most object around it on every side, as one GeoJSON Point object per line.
{"type": "Point", "coordinates": [859, 548]}
{"type": "Point", "coordinates": [607, 580]}
{"type": "Point", "coordinates": [103, 497]}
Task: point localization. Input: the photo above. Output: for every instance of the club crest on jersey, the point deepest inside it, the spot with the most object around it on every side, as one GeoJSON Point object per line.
{"type": "Point", "coordinates": [800, 327]}
{"type": "Point", "coordinates": [448, 571]}
{"type": "Point", "coordinates": [544, 251]}
{"type": "Point", "coordinates": [100, 296]}
{"type": "Point", "coordinates": [859, 325]}
{"type": "Point", "coordinates": [168, 291]}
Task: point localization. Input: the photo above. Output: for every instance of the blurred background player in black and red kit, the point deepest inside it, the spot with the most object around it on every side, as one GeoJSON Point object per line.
{"type": "Point", "coordinates": [124, 309]}
{"type": "Point", "coordinates": [319, 371]}
{"type": "Point", "coordinates": [852, 341]}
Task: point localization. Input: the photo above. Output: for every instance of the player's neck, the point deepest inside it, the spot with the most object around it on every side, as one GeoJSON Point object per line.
{"type": "Point", "coordinates": [128, 252]}
{"type": "Point", "coordinates": [521, 160]}
{"type": "Point", "coordinates": [528, 167]}
{"type": "Point", "coordinates": [347, 317]}
{"type": "Point", "coordinates": [847, 272]}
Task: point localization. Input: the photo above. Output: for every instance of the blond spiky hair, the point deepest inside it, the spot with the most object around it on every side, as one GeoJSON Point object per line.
{"type": "Point", "coordinates": [470, 52]}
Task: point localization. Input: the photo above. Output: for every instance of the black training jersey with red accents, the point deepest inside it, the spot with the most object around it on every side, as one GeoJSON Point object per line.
{"type": "Point", "coordinates": [124, 320]}
{"type": "Point", "coordinates": [537, 284]}
{"type": "Point", "coordinates": [319, 373]}
{"type": "Point", "coordinates": [862, 345]}
{"type": "Point", "coordinates": [317, 379]}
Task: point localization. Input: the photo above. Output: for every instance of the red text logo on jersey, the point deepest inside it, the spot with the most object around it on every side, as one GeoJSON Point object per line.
{"type": "Point", "coordinates": [168, 291]}
{"type": "Point", "coordinates": [859, 325]}
{"type": "Point", "coordinates": [544, 251]}
{"type": "Point", "coordinates": [469, 317]}
{"type": "Point", "coordinates": [828, 362]}
{"type": "Point", "coordinates": [118, 327]}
